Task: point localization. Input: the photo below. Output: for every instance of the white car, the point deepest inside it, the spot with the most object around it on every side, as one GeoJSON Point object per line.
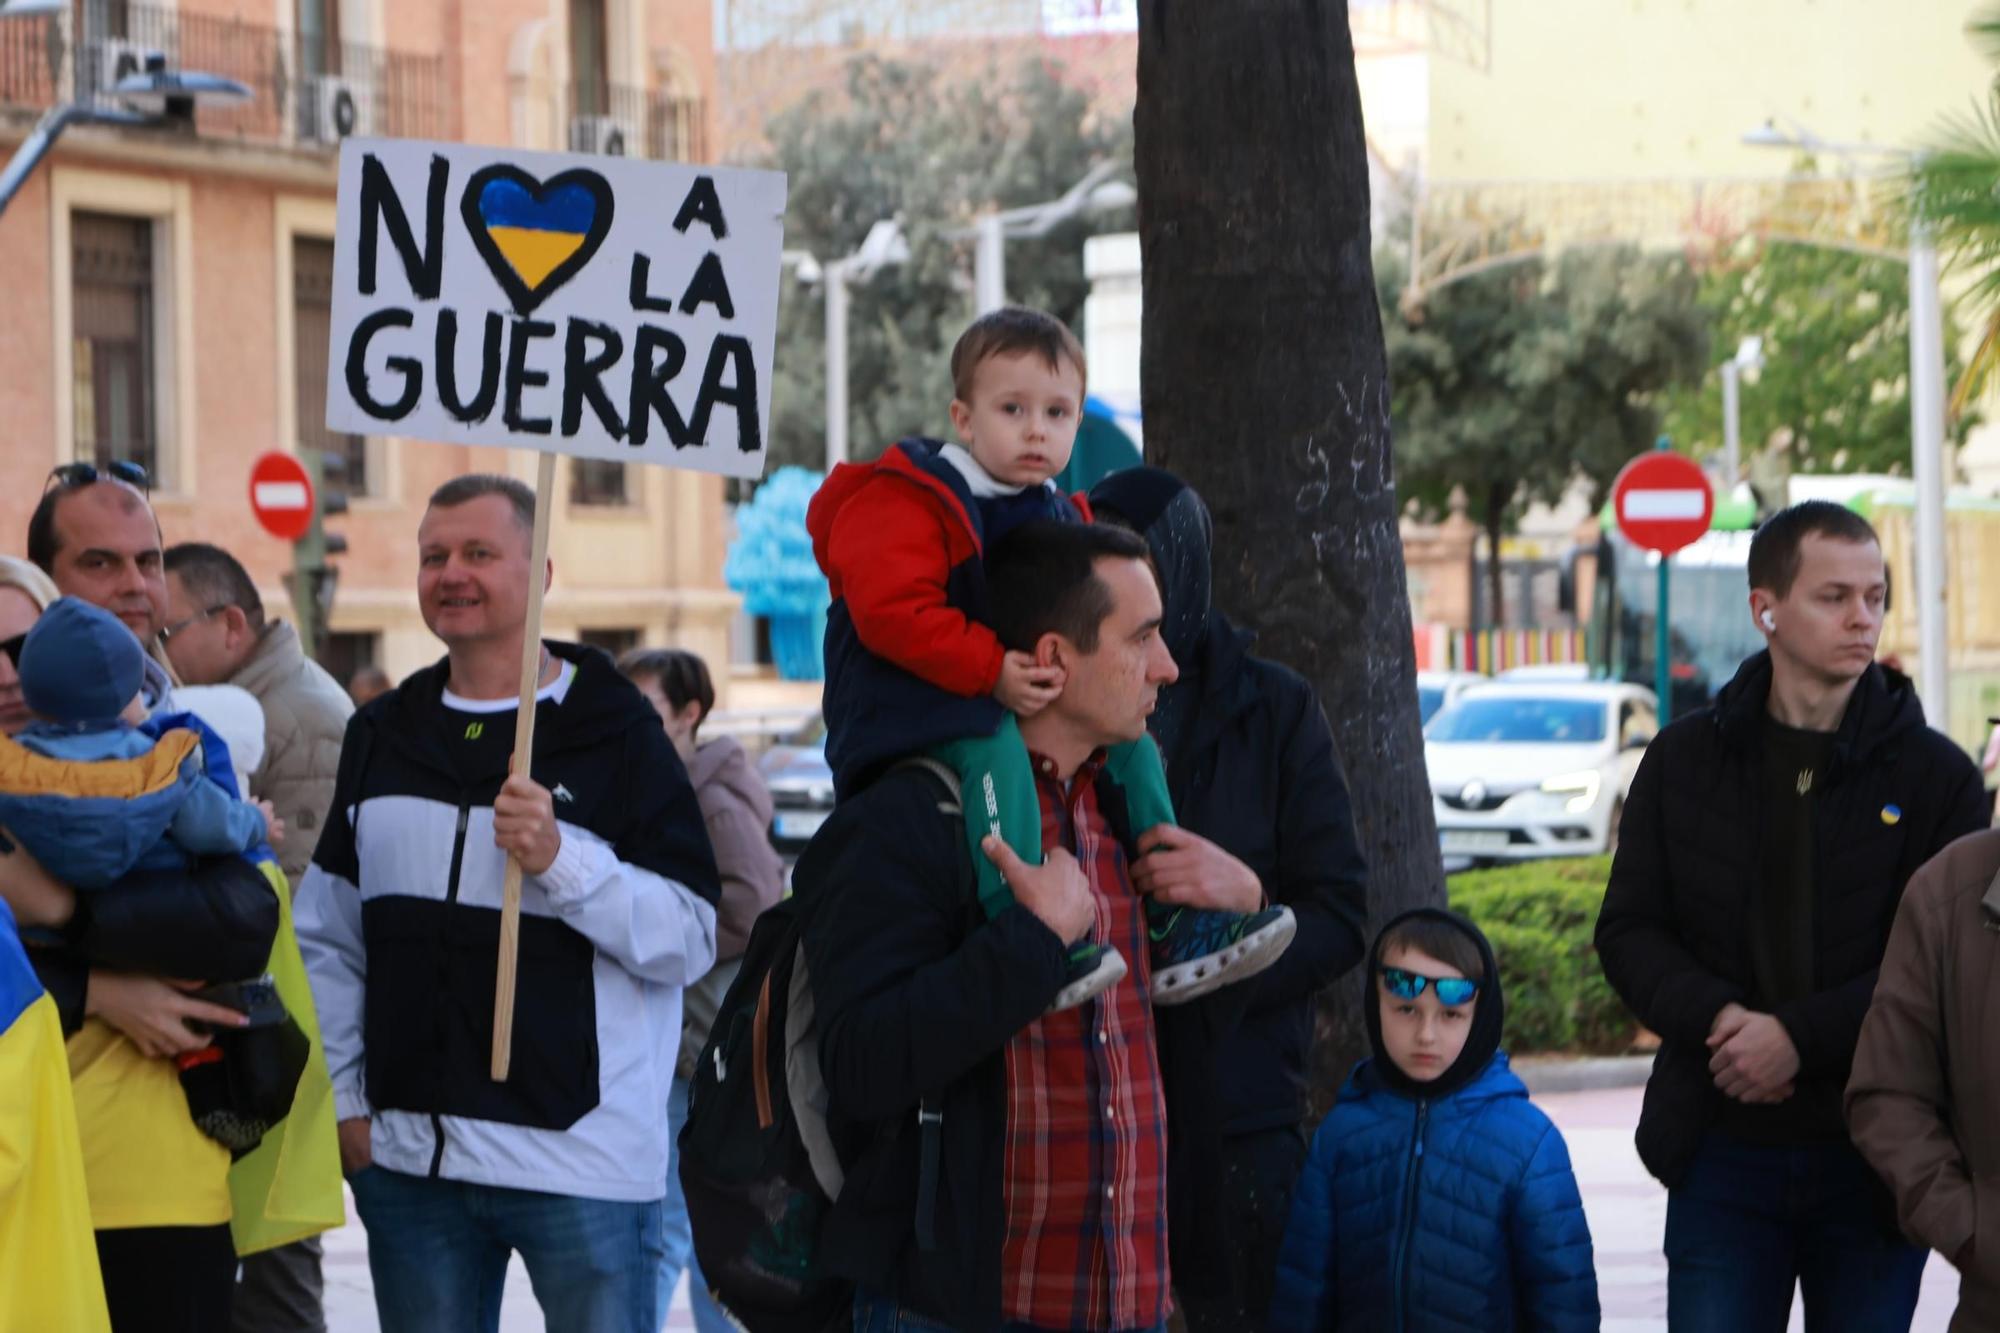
{"type": "Point", "coordinates": [1435, 689]}
{"type": "Point", "coordinates": [1522, 770]}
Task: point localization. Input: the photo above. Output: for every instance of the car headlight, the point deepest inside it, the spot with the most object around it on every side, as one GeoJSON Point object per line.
{"type": "Point", "coordinates": [1581, 788]}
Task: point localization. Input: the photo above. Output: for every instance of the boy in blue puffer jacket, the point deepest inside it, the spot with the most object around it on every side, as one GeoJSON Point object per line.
{"type": "Point", "coordinates": [92, 788]}
{"type": "Point", "coordinates": [1437, 1196]}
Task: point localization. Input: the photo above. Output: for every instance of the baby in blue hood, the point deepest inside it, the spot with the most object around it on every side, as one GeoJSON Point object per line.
{"type": "Point", "coordinates": [94, 789]}
{"type": "Point", "coordinates": [1437, 1196]}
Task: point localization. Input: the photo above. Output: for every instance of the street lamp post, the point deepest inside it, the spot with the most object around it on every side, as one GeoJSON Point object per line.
{"type": "Point", "coordinates": [158, 96]}
{"type": "Point", "coordinates": [1749, 356]}
{"type": "Point", "coordinates": [1927, 437]}
{"type": "Point", "coordinates": [1098, 192]}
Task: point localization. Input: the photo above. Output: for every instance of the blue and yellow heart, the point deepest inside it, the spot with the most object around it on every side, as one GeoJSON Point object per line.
{"type": "Point", "coordinates": [536, 235]}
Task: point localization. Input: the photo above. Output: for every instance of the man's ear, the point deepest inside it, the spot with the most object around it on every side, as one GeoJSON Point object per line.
{"type": "Point", "coordinates": [1052, 649]}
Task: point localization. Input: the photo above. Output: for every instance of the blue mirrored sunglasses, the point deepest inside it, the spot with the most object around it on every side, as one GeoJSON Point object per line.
{"type": "Point", "coordinates": [1405, 985]}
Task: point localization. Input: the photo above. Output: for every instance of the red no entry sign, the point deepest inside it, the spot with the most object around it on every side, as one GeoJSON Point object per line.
{"type": "Point", "coordinates": [281, 495]}
{"type": "Point", "coordinates": [1663, 501]}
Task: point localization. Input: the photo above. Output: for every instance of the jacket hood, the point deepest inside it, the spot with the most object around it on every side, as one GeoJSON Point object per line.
{"type": "Point", "coordinates": [915, 462]}
{"type": "Point", "coordinates": [1168, 513]}
{"type": "Point", "coordinates": [723, 764]}
{"type": "Point", "coordinates": [1883, 709]}
{"type": "Point", "coordinates": [1488, 1016]}
{"type": "Point", "coordinates": [80, 666]}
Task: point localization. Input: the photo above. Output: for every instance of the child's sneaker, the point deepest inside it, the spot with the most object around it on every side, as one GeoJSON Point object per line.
{"type": "Point", "coordinates": [1093, 969]}
{"type": "Point", "coordinates": [1194, 952]}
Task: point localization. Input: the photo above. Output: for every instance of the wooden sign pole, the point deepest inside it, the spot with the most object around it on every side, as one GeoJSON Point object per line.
{"type": "Point", "coordinates": [524, 751]}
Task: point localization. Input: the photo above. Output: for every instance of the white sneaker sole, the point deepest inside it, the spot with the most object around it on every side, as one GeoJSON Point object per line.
{"type": "Point", "coordinates": [1244, 959]}
{"type": "Point", "coordinates": [1110, 971]}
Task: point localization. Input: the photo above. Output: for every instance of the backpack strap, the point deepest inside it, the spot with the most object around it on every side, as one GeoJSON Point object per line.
{"type": "Point", "coordinates": [946, 777]}
{"type": "Point", "coordinates": [930, 1120]}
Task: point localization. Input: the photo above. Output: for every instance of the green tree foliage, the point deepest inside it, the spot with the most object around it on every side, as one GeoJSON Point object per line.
{"type": "Point", "coordinates": [1953, 186]}
{"type": "Point", "coordinates": [1833, 393]}
{"type": "Point", "coordinates": [906, 141]}
{"type": "Point", "coordinates": [1517, 383]}
{"type": "Point", "coordinates": [1541, 918]}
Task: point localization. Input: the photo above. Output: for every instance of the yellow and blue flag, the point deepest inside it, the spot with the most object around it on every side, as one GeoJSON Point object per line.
{"type": "Point", "coordinates": [48, 1256]}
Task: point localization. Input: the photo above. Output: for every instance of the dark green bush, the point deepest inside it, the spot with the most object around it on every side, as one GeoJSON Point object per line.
{"type": "Point", "coordinates": [1540, 917]}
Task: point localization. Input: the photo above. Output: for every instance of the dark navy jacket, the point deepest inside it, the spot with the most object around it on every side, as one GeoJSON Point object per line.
{"type": "Point", "coordinates": [910, 661]}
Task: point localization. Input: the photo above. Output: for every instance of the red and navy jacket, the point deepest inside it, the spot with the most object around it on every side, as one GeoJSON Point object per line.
{"type": "Point", "coordinates": [910, 660]}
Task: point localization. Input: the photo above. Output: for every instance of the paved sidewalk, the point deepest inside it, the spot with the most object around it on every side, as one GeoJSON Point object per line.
{"type": "Point", "coordinates": [1628, 1216]}
{"type": "Point", "coordinates": [1627, 1208]}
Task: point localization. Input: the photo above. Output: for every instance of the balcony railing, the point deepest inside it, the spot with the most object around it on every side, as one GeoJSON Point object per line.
{"type": "Point", "coordinates": [615, 119]}
{"type": "Point", "coordinates": [307, 93]}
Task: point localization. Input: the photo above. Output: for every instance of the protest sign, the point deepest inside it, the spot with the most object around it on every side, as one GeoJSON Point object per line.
{"type": "Point", "coordinates": [595, 306]}
{"type": "Point", "coordinates": [599, 307]}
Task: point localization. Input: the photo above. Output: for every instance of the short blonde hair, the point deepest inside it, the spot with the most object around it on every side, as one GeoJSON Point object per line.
{"type": "Point", "coordinates": [18, 573]}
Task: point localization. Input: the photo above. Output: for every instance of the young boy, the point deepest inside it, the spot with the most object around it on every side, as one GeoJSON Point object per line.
{"type": "Point", "coordinates": [92, 794]}
{"type": "Point", "coordinates": [911, 668]}
{"type": "Point", "coordinates": [1437, 1196]}
{"type": "Point", "coordinates": [88, 791]}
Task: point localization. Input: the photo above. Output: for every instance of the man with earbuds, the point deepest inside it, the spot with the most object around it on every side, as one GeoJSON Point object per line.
{"type": "Point", "coordinates": [1764, 849]}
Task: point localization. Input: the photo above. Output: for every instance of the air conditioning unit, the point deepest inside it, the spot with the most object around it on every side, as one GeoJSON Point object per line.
{"type": "Point", "coordinates": [600, 134]}
{"type": "Point", "coordinates": [335, 108]}
{"type": "Point", "coordinates": [118, 59]}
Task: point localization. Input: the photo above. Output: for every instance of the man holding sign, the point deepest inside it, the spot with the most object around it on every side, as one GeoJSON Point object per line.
{"type": "Point", "coordinates": [399, 917]}
{"type": "Point", "coordinates": [501, 944]}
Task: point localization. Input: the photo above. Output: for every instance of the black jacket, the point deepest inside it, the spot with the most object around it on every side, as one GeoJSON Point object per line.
{"type": "Point", "coordinates": [1674, 934]}
{"type": "Point", "coordinates": [216, 921]}
{"type": "Point", "coordinates": [1251, 767]}
{"type": "Point", "coordinates": [1259, 777]}
{"type": "Point", "coordinates": [916, 997]}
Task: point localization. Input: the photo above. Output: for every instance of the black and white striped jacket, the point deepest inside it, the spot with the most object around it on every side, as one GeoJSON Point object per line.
{"type": "Point", "coordinates": [399, 922]}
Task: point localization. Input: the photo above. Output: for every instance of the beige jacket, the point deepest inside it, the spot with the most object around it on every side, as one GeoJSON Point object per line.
{"type": "Point", "coordinates": [1924, 1100]}
{"type": "Point", "coordinates": [305, 718]}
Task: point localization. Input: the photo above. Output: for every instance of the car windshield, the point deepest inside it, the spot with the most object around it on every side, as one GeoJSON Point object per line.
{"type": "Point", "coordinates": [1430, 698]}
{"type": "Point", "coordinates": [1521, 719]}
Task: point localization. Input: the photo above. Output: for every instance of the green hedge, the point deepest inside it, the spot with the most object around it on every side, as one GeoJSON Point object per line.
{"type": "Point", "coordinates": [1540, 917]}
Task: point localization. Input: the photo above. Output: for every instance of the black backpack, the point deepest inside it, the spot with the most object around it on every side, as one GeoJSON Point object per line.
{"type": "Point", "coordinates": [757, 1161]}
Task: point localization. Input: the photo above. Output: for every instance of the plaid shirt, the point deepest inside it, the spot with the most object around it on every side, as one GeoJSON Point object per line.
{"type": "Point", "coordinates": [1085, 1172]}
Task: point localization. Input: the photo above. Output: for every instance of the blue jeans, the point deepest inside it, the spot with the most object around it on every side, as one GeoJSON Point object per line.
{"type": "Point", "coordinates": [882, 1314]}
{"type": "Point", "coordinates": [708, 1317]}
{"type": "Point", "coordinates": [1750, 1222]}
{"type": "Point", "coordinates": [437, 1250]}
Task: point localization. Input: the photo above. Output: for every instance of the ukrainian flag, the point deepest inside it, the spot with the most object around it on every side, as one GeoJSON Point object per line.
{"type": "Point", "coordinates": [48, 1255]}
{"type": "Point", "coordinates": [536, 235]}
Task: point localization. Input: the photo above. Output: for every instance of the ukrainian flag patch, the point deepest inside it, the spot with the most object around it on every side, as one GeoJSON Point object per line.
{"type": "Point", "coordinates": [1892, 815]}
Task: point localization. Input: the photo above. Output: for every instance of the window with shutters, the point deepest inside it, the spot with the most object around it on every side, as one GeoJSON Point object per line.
{"type": "Point", "coordinates": [312, 329]}
{"type": "Point", "coordinates": [115, 393]}
{"type": "Point", "coordinates": [589, 58]}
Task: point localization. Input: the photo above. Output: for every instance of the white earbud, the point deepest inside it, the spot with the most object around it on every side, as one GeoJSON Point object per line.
{"type": "Point", "coordinates": [1770, 622]}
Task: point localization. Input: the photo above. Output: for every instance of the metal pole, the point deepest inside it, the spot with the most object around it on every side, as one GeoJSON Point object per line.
{"type": "Point", "coordinates": [835, 273]}
{"type": "Point", "coordinates": [1731, 427]}
{"type": "Point", "coordinates": [989, 265]}
{"type": "Point", "coordinates": [1662, 636]}
{"type": "Point", "coordinates": [43, 137]}
{"type": "Point", "coordinates": [1663, 642]}
{"type": "Point", "coordinates": [1927, 465]}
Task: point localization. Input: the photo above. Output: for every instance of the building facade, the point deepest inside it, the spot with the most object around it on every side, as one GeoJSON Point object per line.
{"type": "Point", "coordinates": [168, 288]}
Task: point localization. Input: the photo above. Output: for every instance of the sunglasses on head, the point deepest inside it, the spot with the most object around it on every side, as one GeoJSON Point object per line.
{"type": "Point", "coordinates": [1407, 985]}
{"type": "Point", "coordinates": [71, 475]}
